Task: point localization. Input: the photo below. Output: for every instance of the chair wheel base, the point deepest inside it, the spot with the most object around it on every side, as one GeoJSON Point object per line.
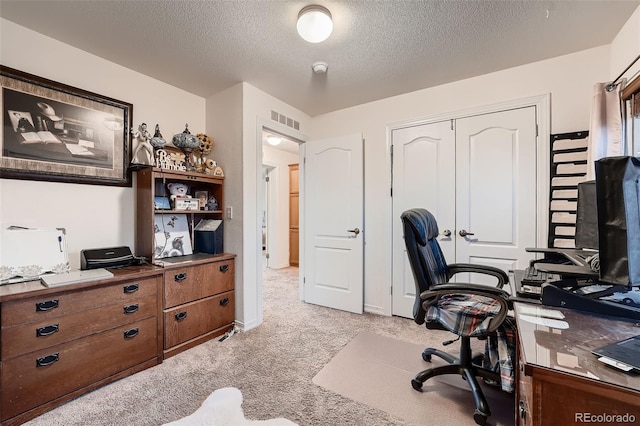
{"type": "Point", "coordinates": [417, 385]}
{"type": "Point", "coordinates": [426, 357]}
{"type": "Point", "coordinates": [479, 418]}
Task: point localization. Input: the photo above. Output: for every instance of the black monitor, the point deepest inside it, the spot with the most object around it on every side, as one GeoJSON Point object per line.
{"type": "Point", "coordinates": [618, 200]}
{"type": "Point", "coordinates": [587, 217]}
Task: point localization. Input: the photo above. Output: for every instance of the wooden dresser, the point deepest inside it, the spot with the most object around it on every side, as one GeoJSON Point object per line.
{"type": "Point", "coordinates": [58, 343]}
{"type": "Point", "coordinates": [198, 301]}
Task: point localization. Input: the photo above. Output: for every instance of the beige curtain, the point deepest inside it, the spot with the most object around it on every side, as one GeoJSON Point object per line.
{"type": "Point", "coordinates": [605, 129]}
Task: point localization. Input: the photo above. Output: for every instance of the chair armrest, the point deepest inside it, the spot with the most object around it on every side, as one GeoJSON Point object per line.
{"type": "Point", "coordinates": [502, 277]}
{"type": "Point", "coordinates": [431, 296]}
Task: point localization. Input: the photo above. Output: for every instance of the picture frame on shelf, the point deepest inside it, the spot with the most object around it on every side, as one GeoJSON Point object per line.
{"type": "Point", "coordinates": [172, 236]}
{"type": "Point", "coordinates": [55, 132]}
{"type": "Point", "coordinates": [161, 203]}
{"type": "Point", "coordinates": [202, 197]}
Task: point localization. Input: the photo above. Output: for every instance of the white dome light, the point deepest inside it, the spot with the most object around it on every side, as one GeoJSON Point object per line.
{"type": "Point", "coordinates": [274, 140]}
{"type": "Point", "coordinates": [314, 23]}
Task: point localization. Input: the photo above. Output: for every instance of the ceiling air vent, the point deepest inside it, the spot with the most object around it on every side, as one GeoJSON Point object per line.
{"type": "Point", "coordinates": [283, 119]}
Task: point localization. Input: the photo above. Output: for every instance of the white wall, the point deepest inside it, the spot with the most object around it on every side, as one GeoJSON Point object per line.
{"type": "Point", "coordinates": [94, 216]}
{"type": "Point", "coordinates": [278, 230]}
{"type": "Point", "coordinates": [626, 47]}
{"type": "Point", "coordinates": [568, 79]}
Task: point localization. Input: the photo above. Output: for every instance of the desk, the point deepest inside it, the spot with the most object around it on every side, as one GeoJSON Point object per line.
{"type": "Point", "coordinates": [558, 377]}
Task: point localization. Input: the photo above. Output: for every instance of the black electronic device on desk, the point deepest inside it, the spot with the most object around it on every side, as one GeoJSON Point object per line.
{"type": "Point", "coordinates": [602, 275]}
{"type": "Point", "coordinates": [589, 296]}
{"type": "Point", "coordinates": [110, 257]}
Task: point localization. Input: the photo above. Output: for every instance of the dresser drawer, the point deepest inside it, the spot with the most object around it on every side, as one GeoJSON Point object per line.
{"type": "Point", "coordinates": [44, 308]}
{"type": "Point", "coordinates": [197, 318]}
{"type": "Point", "coordinates": [182, 285]}
{"type": "Point", "coordinates": [70, 366]}
{"type": "Point", "coordinates": [22, 339]}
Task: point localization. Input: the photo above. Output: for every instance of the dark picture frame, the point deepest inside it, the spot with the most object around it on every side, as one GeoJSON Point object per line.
{"type": "Point", "coordinates": [55, 132]}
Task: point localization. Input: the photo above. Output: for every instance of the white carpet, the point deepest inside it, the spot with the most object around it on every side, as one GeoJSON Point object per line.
{"type": "Point", "coordinates": [224, 408]}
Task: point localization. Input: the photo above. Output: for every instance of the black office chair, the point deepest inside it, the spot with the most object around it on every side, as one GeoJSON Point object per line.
{"type": "Point", "coordinates": [468, 310]}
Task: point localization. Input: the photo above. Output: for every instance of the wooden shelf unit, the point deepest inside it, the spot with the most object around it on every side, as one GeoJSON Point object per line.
{"type": "Point", "coordinates": [198, 301]}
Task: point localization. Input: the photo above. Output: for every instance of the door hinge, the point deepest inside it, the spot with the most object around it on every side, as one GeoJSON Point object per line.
{"type": "Point", "coordinates": [453, 124]}
{"type": "Point", "coordinates": [266, 179]}
{"type": "Point", "coordinates": [391, 188]}
{"type": "Point", "coordinates": [536, 129]}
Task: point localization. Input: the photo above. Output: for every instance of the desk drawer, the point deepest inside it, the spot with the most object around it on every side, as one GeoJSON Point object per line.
{"type": "Point", "coordinates": [23, 339]}
{"type": "Point", "coordinates": [70, 366]}
{"type": "Point", "coordinates": [182, 285]}
{"type": "Point", "coordinates": [44, 308]}
{"type": "Point", "coordinates": [194, 319]}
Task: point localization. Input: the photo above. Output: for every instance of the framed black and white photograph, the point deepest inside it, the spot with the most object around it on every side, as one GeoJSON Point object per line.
{"type": "Point", "coordinates": [56, 132]}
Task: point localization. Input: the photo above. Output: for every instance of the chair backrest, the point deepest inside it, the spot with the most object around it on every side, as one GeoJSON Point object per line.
{"type": "Point", "coordinates": [427, 261]}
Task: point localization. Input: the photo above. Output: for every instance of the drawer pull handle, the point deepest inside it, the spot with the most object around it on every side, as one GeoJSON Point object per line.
{"type": "Point", "coordinates": [48, 330]}
{"type": "Point", "coordinates": [181, 315]}
{"type": "Point", "coordinates": [224, 268]}
{"type": "Point", "coordinates": [47, 360]}
{"type": "Point", "coordinates": [47, 306]}
{"type": "Point", "coordinates": [180, 277]}
{"type": "Point", "coordinates": [129, 309]}
{"type": "Point", "coordinates": [131, 288]}
{"type": "Point", "coordinates": [130, 334]}
{"type": "Point", "coordinates": [224, 302]}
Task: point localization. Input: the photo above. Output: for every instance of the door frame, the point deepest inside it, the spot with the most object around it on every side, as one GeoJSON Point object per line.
{"type": "Point", "coordinates": [263, 124]}
{"type": "Point", "coordinates": [542, 106]}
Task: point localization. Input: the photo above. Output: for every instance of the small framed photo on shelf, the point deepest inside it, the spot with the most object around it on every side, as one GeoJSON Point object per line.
{"type": "Point", "coordinates": [161, 203]}
{"type": "Point", "coordinates": [202, 197]}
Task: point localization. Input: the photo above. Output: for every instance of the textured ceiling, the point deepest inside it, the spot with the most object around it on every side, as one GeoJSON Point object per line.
{"type": "Point", "coordinates": [378, 48]}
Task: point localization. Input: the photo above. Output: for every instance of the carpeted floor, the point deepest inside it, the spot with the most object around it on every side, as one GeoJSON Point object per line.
{"type": "Point", "coordinates": [273, 365]}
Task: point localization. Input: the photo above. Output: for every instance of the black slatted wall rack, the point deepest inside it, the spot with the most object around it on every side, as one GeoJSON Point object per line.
{"type": "Point", "coordinates": [568, 161]}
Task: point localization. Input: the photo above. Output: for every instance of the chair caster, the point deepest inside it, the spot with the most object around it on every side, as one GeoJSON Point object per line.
{"type": "Point", "coordinates": [426, 356]}
{"type": "Point", "coordinates": [417, 385]}
{"type": "Point", "coordinates": [478, 359]}
{"type": "Point", "coordinates": [480, 418]}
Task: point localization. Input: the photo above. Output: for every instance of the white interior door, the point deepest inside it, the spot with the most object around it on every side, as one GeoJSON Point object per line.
{"type": "Point", "coordinates": [496, 188]}
{"type": "Point", "coordinates": [423, 177]}
{"type": "Point", "coordinates": [479, 179]}
{"type": "Point", "coordinates": [333, 221]}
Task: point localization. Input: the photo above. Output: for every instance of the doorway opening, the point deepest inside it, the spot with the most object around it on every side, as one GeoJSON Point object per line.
{"type": "Point", "coordinates": [277, 215]}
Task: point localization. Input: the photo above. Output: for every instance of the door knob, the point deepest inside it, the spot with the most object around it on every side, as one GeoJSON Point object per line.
{"type": "Point", "coordinates": [464, 233]}
{"type": "Point", "coordinates": [446, 233]}
{"type": "Point", "coordinates": [355, 231]}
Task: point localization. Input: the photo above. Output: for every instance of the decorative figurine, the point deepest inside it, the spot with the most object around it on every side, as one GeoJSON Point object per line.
{"type": "Point", "coordinates": [206, 145]}
{"type": "Point", "coordinates": [157, 141]}
{"type": "Point", "coordinates": [143, 154]}
{"type": "Point", "coordinates": [187, 143]}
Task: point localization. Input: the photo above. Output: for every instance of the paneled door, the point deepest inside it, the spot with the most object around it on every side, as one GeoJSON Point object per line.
{"type": "Point", "coordinates": [477, 175]}
{"type": "Point", "coordinates": [333, 265]}
{"type": "Point", "coordinates": [496, 188]}
{"type": "Point", "coordinates": [423, 176]}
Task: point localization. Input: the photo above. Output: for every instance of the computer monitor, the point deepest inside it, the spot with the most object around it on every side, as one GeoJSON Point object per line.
{"type": "Point", "coordinates": [587, 217]}
{"type": "Point", "coordinates": [618, 199]}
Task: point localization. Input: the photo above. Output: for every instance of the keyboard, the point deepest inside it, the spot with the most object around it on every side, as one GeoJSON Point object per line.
{"type": "Point", "coordinates": [532, 276]}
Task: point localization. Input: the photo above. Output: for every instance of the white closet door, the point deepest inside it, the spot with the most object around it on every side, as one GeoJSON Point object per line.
{"type": "Point", "coordinates": [423, 177]}
{"type": "Point", "coordinates": [496, 188]}
{"type": "Point", "coordinates": [480, 178]}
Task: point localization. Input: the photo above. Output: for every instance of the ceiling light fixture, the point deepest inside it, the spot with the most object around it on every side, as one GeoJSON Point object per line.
{"type": "Point", "coordinates": [274, 140]}
{"type": "Point", "coordinates": [314, 23]}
